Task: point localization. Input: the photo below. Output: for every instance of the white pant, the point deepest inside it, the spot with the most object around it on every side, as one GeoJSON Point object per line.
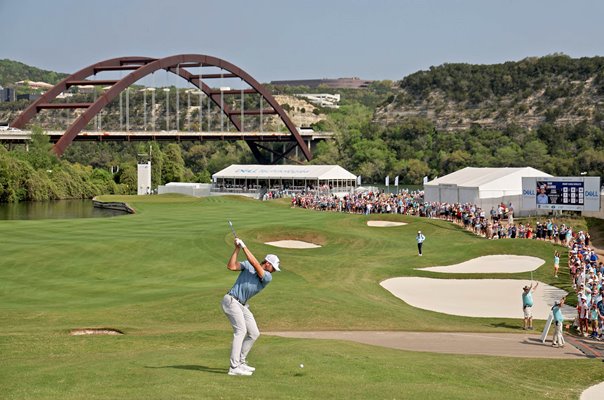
{"type": "Point", "coordinates": [558, 338]}
{"type": "Point", "coordinates": [245, 330]}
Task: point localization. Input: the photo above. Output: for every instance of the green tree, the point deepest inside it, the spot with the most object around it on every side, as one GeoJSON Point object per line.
{"type": "Point", "coordinates": [481, 154]}
{"type": "Point", "coordinates": [536, 154]}
{"type": "Point", "coordinates": [203, 177]}
{"type": "Point", "coordinates": [157, 160]}
{"type": "Point", "coordinates": [372, 159]}
{"type": "Point", "coordinates": [13, 176]}
{"type": "Point", "coordinates": [103, 181]}
{"type": "Point", "coordinates": [326, 152]}
{"type": "Point", "coordinates": [509, 156]}
{"type": "Point", "coordinates": [173, 165]}
{"type": "Point", "coordinates": [128, 177]}
{"type": "Point", "coordinates": [40, 154]}
{"type": "Point", "coordinates": [414, 171]}
{"type": "Point", "coordinates": [197, 157]}
{"type": "Point", "coordinates": [450, 162]}
{"type": "Point", "coordinates": [225, 155]}
{"type": "Point", "coordinates": [592, 161]}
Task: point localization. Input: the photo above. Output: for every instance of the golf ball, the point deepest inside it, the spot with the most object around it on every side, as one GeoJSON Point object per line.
{"type": "Point", "coordinates": [301, 365]}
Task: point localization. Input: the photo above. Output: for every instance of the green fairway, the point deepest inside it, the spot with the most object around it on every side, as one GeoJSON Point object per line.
{"type": "Point", "coordinates": [159, 276]}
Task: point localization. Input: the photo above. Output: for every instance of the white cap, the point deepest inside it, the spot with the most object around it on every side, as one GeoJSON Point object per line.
{"type": "Point", "coordinates": [273, 260]}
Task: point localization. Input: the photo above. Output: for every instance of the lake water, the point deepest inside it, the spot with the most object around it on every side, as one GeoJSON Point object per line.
{"type": "Point", "coordinates": [59, 209]}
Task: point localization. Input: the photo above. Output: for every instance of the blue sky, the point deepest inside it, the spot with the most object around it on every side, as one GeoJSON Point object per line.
{"type": "Point", "coordinates": [300, 39]}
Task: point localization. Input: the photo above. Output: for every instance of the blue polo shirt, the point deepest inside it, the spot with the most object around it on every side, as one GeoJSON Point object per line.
{"type": "Point", "coordinates": [248, 284]}
{"type": "Point", "coordinates": [527, 299]}
{"type": "Point", "coordinates": [557, 314]}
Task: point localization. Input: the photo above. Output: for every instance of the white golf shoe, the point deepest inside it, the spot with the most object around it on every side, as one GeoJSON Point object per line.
{"type": "Point", "coordinates": [239, 371]}
{"type": "Point", "coordinates": [246, 367]}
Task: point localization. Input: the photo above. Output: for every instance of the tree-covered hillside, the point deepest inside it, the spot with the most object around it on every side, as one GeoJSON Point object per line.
{"type": "Point", "coordinates": [14, 71]}
{"type": "Point", "coordinates": [555, 89]}
{"type": "Point", "coordinates": [558, 75]}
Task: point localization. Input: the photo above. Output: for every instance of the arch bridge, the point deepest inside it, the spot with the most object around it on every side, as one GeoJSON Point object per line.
{"type": "Point", "coordinates": [180, 66]}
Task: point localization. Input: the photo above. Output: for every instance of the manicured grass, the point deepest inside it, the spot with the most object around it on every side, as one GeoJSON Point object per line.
{"type": "Point", "coordinates": [159, 276]}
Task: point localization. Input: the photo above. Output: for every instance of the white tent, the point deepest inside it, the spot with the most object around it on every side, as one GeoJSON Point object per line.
{"type": "Point", "coordinates": [481, 186]}
{"type": "Point", "coordinates": [283, 177]}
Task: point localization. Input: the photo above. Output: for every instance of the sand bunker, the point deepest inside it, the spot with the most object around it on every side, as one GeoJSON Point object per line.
{"type": "Point", "coordinates": [497, 298]}
{"type": "Point", "coordinates": [293, 244]}
{"type": "Point", "coordinates": [385, 224]}
{"type": "Point", "coordinates": [492, 264]}
{"type": "Point", "coordinates": [595, 392]}
{"type": "Point", "coordinates": [95, 331]}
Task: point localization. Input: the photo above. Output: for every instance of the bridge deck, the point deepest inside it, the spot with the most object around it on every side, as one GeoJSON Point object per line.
{"type": "Point", "coordinates": [19, 136]}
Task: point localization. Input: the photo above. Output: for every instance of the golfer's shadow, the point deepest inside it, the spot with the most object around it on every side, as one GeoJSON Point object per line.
{"type": "Point", "coordinates": [201, 368]}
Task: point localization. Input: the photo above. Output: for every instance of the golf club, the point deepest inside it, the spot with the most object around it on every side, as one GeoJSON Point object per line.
{"type": "Point", "coordinates": [233, 229]}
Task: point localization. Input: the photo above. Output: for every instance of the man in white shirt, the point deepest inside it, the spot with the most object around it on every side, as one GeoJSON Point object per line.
{"type": "Point", "coordinates": [420, 241]}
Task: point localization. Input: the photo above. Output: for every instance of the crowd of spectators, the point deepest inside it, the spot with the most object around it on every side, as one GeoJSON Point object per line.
{"type": "Point", "coordinates": [586, 273]}
{"type": "Point", "coordinates": [405, 202]}
{"type": "Point", "coordinates": [498, 223]}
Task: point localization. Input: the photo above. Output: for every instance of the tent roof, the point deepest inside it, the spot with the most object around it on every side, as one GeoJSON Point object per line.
{"type": "Point", "coordinates": [483, 177]}
{"type": "Point", "coordinates": [321, 172]}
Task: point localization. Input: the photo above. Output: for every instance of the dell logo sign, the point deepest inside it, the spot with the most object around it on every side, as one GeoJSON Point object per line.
{"type": "Point", "coordinates": [528, 192]}
{"type": "Point", "coordinates": [591, 193]}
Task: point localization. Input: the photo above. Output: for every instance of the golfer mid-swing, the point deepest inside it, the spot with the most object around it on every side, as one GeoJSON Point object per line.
{"type": "Point", "coordinates": [253, 277]}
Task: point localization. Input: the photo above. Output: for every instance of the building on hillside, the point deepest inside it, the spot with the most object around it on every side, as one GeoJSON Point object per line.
{"type": "Point", "coordinates": [256, 180]}
{"type": "Point", "coordinates": [322, 99]}
{"type": "Point", "coordinates": [34, 85]}
{"type": "Point", "coordinates": [7, 94]}
{"type": "Point", "coordinates": [64, 95]}
{"type": "Point", "coordinates": [28, 96]}
{"type": "Point", "coordinates": [86, 89]}
{"type": "Point", "coordinates": [485, 187]}
{"type": "Point", "coordinates": [339, 83]}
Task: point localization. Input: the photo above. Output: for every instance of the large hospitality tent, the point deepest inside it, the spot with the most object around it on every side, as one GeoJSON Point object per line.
{"type": "Point", "coordinates": [485, 187]}
{"type": "Point", "coordinates": [285, 177]}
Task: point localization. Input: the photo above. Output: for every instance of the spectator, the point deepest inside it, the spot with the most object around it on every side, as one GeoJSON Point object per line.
{"type": "Point", "coordinates": [558, 321]}
{"type": "Point", "coordinates": [527, 305]}
{"type": "Point", "coordinates": [420, 242]}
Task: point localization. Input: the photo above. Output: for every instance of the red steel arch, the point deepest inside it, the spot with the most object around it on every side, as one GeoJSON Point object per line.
{"type": "Point", "coordinates": [143, 66]}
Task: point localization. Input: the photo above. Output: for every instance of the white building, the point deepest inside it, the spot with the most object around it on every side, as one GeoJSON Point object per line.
{"type": "Point", "coordinates": [322, 99]}
{"type": "Point", "coordinates": [144, 178]}
{"type": "Point", "coordinates": [257, 179]}
{"type": "Point", "coordinates": [34, 85]}
{"type": "Point", "coordinates": [485, 187]}
{"type": "Point", "coordinates": [188, 188]}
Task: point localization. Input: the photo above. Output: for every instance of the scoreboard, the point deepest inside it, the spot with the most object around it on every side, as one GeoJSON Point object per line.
{"type": "Point", "coordinates": [561, 193]}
